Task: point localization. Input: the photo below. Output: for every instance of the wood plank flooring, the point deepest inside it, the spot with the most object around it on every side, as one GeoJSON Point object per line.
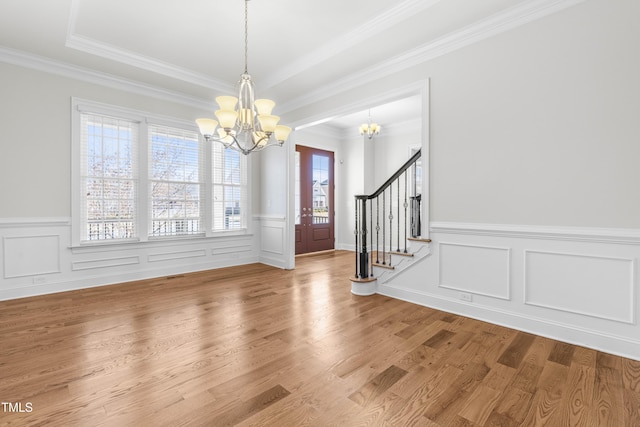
{"type": "Point", "coordinates": [259, 346]}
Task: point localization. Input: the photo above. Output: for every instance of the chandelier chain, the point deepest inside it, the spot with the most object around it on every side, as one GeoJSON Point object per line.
{"type": "Point", "coordinates": [246, 36]}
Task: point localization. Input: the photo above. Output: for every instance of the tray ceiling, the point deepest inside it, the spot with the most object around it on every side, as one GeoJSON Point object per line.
{"type": "Point", "coordinates": [298, 50]}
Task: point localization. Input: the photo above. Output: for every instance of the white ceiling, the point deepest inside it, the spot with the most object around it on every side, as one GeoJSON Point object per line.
{"type": "Point", "coordinates": [298, 50]}
{"type": "Point", "coordinates": [391, 113]}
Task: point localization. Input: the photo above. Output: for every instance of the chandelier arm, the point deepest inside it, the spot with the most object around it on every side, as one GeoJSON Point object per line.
{"type": "Point", "coordinates": [262, 138]}
{"type": "Point", "coordinates": [234, 145]}
{"type": "Point", "coordinates": [243, 150]}
{"type": "Point", "coordinates": [256, 146]}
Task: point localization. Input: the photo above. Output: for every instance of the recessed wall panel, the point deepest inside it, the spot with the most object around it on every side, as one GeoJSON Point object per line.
{"type": "Point", "coordinates": [31, 255]}
{"type": "Point", "coordinates": [481, 270]}
{"type": "Point", "coordinates": [104, 263]}
{"type": "Point", "coordinates": [584, 284]}
{"type": "Point", "coordinates": [168, 256]}
{"type": "Point", "coordinates": [272, 239]}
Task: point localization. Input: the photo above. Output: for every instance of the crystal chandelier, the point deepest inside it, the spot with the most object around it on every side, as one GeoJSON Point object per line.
{"type": "Point", "coordinates": [251, 127]}
{"type": "Point", "coordinates": [369, 129]}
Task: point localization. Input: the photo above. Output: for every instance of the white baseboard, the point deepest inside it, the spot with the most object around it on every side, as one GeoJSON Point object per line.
{"type": "Point", "coordinates": [277, 262]}
{"type": "Point", "coordinates": [609, 343]}
{"type": "Point", "coordinates": [98, 280]}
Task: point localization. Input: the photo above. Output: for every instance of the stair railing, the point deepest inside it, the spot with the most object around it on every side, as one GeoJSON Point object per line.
{"type": "Point", "coordinates": [388, 233]}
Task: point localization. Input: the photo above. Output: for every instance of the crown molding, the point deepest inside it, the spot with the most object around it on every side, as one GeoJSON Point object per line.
{"type": "Point", "coordinates": [389, 18]}
{"type": "Point", "coordinates": [498, 23]}
{"type": "Point", "coordinates": [419, 87]}
{"type": "Point", "coordinates": [371, 28]}
{"type": "Point", "coordinates": [63, 69]}
{"type": "Point", "coordinates": [104, 50]}
{"type": "Point", "coordinates": [323, 130]}
{"type": "Point", "coordinates": [113, 53]}
{"type": "Point", "coordinates": [413, 126]}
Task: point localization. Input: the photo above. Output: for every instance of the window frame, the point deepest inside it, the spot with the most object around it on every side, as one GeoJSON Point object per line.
{"type": "Point", "coordinates": [226, 186]}
{"type": "Point", "coordinates": [143, 197]}
{"type": "Point", "coordinates": [103, 185]}
{"type": "Point", "coordinates": [152, 127]}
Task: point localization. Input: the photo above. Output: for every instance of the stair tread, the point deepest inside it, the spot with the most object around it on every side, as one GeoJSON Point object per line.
{"type": "Point", "coordinates": [387, 266]}
{"type": "Point", "coordinates": [409, 254]}
{"type": "Point", "coordinates": [419, 239]}
{"type": "Point", "coordinates": [363, 279]}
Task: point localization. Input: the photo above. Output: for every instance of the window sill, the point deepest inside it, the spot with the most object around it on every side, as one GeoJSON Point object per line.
{"type": "Point", "coordinates": [128, 244]}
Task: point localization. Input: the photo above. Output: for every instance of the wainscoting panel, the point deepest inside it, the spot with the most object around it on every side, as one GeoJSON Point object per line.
{"type": "Point", "coordinates": [31, 255]}
{"type": "Point", "coordinates": [273, 239]}
{"type": "Point", "coordinates": [584, 284]}
{"type": "Point", "coordinates": [577, 285]}
{"type": "Point", "coordinates": [231, 249]}
{"type": "Point", "coordinates": [481, 270]}
{"type": "Point", "coordinates": [168, 256]}
{"type": "Point", "coordinates": [104, 262]}
{"type": "Point", "coordinates": [36, 257]}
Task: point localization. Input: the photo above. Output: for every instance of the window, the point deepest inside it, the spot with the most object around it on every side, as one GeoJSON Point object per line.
{"type": "Point", "coordinates": [175, 181]}
{"type": "Point", "coordinates": [108, 177]}
{"type": "Point", "coordinates": [229, 189]}
{"type": "Point", "coordinates": [138, 177]}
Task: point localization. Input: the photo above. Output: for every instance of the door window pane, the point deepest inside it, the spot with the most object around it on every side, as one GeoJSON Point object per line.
{"type": "Point", "coordinates": [320, 190]}
{"type": "Point", "coordinates": [297, 202]}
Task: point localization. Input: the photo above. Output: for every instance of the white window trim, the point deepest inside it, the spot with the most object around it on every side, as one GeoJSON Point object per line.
{"type": "Point", "coordinates": [79, 106]}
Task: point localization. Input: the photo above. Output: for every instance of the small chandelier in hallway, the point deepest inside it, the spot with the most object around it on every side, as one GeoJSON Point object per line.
{"type": "Point", "coordinates": [370, 129]}
{"type": "Point", "coordinates": [251, 127]}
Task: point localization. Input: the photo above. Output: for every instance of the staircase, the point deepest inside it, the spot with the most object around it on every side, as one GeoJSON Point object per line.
{"type": "Point", "coordinates": [388, 230]}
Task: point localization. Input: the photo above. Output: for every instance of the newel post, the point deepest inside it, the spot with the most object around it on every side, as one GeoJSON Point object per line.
{"type": "Point", "coordinates": [362, 254]}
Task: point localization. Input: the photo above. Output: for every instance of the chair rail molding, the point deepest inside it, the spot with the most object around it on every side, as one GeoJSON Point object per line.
{"type": "Point", "coordinates": [629, 236]}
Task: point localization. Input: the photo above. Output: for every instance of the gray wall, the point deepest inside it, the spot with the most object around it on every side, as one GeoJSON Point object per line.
{"type": "Point", "coordinates": [537, 125]}
{"type": "Point", "coordinates": [35, 141]}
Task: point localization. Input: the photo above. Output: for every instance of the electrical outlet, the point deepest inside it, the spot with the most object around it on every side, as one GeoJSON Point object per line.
{"type": "Point", "coordinates": [39, 280]}
{"type": "Point", "coordinates": [465, 296]}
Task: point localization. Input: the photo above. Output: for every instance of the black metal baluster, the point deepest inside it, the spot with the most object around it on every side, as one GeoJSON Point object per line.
{"type": "Point", "coordinates": [371, 228]}
{"type": "Point", "coordinates": [390, 219]}
{"type": "Point", "coordinates": [378, 230]}
{"type": "Point", "coordinates": [405, 212]}
{"type": "Point", "coordinates": [364, 256]}
{"type": "Point", "coordinates": [384, 231]}
{"type": "Point", "coordinates": [364, 225]}
{"type": "Point", "coordinates": [398, 248]}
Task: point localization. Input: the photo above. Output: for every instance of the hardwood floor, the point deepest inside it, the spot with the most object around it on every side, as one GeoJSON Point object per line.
{"type": "Point", "coordinates": [255, 345]}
